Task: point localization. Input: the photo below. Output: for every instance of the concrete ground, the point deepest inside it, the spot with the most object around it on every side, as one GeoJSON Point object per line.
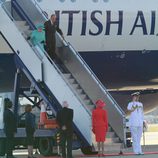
{"type": "Point", "coordinates": [149, 152]}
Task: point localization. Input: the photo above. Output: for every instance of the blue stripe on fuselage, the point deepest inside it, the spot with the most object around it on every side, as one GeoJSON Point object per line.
{"type": "Point", "coordinates": [110, 67]}
{"type": "Point", "coordinates": [121, 66]}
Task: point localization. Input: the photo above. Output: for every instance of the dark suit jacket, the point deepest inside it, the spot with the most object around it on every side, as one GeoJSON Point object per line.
{"type": "Point", "coordinates": [50, 31]}
{"type": "Point", "coordinates": [10, 126]}
{"type": "Point", "coordinates": [30, 123]}
{"type": "Point", "coordinates": [65, 117]}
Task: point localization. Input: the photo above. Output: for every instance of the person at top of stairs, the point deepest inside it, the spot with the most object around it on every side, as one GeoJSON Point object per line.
{"type": "Point", "coordinates": [38, 36]}
{"type": "Point", "coordinates": [50, 29]}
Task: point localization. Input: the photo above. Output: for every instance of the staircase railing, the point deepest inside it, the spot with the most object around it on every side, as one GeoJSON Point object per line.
{"type": "Point", "coordinates": [95, 89]}
{"type": "Point", "coordinates": [22, 56]}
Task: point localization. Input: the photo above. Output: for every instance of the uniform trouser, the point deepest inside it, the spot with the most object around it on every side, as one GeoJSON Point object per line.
{"type": "Point", "coordinates": [66, 138]}
{"type": "Point", "coordinates": [136, 133]}
{"type": "Point", "coordinates": [9, 145]}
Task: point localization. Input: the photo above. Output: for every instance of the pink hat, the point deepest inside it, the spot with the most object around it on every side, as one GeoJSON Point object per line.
{"type": "Point", "coordinates": [100, 103]}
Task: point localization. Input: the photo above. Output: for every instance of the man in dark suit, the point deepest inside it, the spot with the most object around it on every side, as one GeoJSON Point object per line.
{"type": "Point", "coordinates": [9, 127]}
{"type": "Point", "coordinates": [65, 121]}
{"type": "Point", "coordinates": [50, 29]}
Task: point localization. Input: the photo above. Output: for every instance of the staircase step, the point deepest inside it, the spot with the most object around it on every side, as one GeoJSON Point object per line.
{"type": "Point", "coordinates": [87, 102]}
{"type": "Point", "coordinates": [22, 26]}
{"type": "Point", "coordinates": [110, 129]}
{"type": "Point", "coordinates": [25, 27]}
{"type": "Point", "coordinates": [112, 140]}
{"type": "Point", "coordinates": [110, 134]}
{"type": "Point", "coordinates": [67, 75]}
{"type": "Point", "coordinates": [79, 91]}
{"type": "Point", "coordinates": [75, 85]}
{"type": "Point", "coordinates": [27, 32]}
{"type": "Point", "coordinates": [20, 23]}
{"type": "Point", "coordinates": [112, 147]}
{"type": "Point", "coordinates": [72, 80]}
{"type": "Point", "coordinates": [83, 96]}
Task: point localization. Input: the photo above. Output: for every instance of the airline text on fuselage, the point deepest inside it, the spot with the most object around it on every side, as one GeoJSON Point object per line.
{"type": "Point", "coordinates": [139, 22]}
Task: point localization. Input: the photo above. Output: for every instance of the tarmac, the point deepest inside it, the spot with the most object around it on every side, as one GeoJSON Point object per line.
{"type": "Point", "coordinates": [149, 152]}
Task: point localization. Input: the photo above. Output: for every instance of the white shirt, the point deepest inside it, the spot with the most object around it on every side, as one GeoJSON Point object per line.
{"type": "Point", "coordinates": [137, 116]}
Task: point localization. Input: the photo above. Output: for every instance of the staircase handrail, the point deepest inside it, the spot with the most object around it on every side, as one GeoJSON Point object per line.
{"type": "Point", "coordinates": [24, 14]}
{"type": "Point", "coordinates": [39, 8]}
{"type": "Point", "coordinates": [12, 18]}
{"type": "Point", "coordinates": [63, 77]}
{"type": "Point", "coordinates": [92, 74]}
{"type": "Point", "coordinates": [65, 43]}
{"type": "Point", "coordinates": [85, 65]}
{"type": "Point", "coordinates": [46, 54]}
{"type": "Point", "coordinates": [96, 79]}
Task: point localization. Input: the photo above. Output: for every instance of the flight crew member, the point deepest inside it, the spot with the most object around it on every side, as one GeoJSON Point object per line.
{"type": "Point", "coordinates": [136, 122]}
{"type": "Point", "coordinates": [10, 127]}
{"type": "Point", "coordinates": [50, 30]}
{"type": "Point", "coordinates": [65, 121]}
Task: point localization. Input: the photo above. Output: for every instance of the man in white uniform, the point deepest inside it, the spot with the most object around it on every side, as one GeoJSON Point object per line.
{"type": "Point", "coordinates": [136, 122]}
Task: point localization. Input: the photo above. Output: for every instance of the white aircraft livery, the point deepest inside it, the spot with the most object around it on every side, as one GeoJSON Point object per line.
{"type": "Point", "coordinates": [98, 25]}
{"type": "Point", "coordinates": [117, 39]}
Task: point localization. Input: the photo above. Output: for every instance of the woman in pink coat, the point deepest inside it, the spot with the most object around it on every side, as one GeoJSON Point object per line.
{"type": "Point", "coordinates": [100, 125]}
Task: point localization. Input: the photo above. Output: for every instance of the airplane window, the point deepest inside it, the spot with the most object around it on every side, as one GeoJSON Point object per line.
{"type": "Point", "coordinates": [73, 0]}
{"type": "Point", "coordinates": [62, 0]}
{"type": "Point", "coordinates": [106, 0]}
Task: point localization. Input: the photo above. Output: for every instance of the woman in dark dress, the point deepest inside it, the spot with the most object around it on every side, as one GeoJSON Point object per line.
{"type": "Point", "coordinates": [30, 129]}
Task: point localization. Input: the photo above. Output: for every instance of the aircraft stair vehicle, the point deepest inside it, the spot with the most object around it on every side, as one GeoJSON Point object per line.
{"type": "Point", "coordinates": [72, 81]}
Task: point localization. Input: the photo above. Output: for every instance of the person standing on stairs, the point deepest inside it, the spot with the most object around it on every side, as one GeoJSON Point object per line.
{"type": "Point", "coordinates": [100, 125]}
{"type": "Point", "coordinates": [37, 37]}
{"type": "Point", "coordinates": [50, 34]}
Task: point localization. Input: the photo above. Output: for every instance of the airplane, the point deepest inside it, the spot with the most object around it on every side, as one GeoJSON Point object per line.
{"type": "Point", "coordinates": [118, 42]}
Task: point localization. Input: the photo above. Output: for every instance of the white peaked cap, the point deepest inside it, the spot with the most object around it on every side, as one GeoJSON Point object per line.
{"type": "Point", "coordinates": [135, 94]}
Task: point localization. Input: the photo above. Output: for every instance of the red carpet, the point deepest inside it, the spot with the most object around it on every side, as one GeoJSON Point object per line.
{"type": "Point", "coordinates": [115, 154]}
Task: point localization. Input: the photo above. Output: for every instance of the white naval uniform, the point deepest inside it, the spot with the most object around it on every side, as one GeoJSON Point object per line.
{"type": "Point", "coordinates": [136, 125]}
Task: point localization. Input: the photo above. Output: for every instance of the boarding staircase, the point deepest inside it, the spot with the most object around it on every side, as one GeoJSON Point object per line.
{"type": "Point", "coordinates": [77, 83]}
